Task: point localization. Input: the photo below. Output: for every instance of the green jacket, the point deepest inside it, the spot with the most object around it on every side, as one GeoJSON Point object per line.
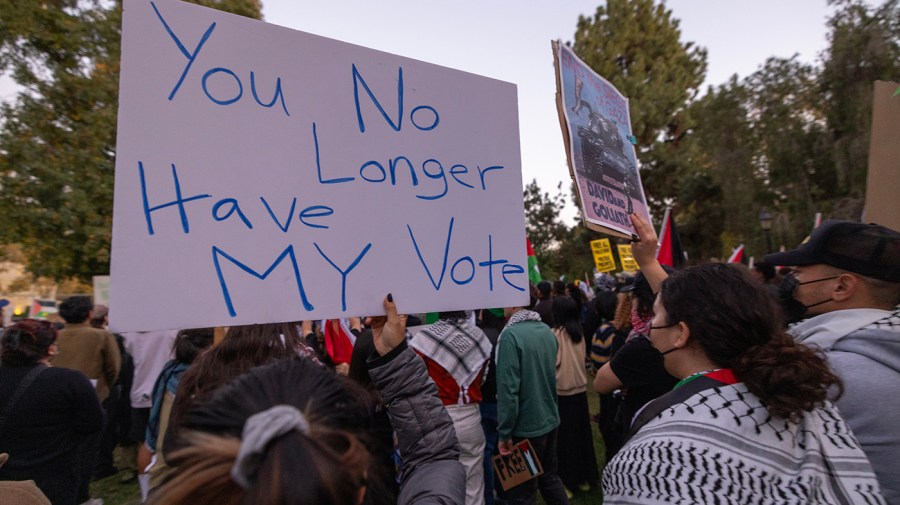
{"type": "Point", "coordinates": [526, 381]}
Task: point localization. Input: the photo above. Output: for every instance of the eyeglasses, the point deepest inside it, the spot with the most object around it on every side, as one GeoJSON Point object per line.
{"type": "Point", "coordinates": [662, 327]}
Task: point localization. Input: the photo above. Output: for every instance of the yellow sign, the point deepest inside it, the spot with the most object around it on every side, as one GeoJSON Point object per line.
{"type": "Point", "coordinates": [628, 263]}
{"type": "Point", "coordinates": [603, 256]}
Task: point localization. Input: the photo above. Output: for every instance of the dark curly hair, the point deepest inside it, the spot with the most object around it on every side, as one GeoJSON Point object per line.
{"type": "Point", "coordinates": [26, 342]}
{"type": "Point", "coordinates": [739, 326]}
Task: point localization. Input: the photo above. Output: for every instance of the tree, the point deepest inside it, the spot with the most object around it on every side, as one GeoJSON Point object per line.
{"type": "Point", "coordinates": [57, 143]}
{"type": "Point", "coordinates": [864, 47]}
{"type": "Point", "coordinates": [792, 147]}
{"type": "Point", "coordinates": [636, 45]}
{"type": "Point", "coordinates": [544, 227]}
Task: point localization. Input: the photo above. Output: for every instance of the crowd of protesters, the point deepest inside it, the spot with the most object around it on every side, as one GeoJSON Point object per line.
{"type": "Point", "coordinates": [716, 383]}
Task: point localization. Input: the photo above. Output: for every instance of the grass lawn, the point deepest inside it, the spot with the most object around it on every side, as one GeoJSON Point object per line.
{"type": "Point", "coordinates": [595, 495]}
{"type": "Point", "coordinates": [114, 492]}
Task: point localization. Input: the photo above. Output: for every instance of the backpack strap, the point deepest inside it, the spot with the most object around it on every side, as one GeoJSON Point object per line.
{"type": "Point", "coordinates": [17, 394]}
{"type": "Point", "coordinates": [674, 397]}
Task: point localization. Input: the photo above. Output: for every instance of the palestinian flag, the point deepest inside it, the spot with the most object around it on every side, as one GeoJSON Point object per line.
{"type": "Point", "coordinates": [534, 273]}
{"type": "Point", "coordinates": [42, 309]}
{"type": "Point", "coordinates": [670, 251]}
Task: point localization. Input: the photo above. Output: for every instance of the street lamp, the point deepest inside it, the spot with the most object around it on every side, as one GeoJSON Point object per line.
{"type": "Point", "coordinates": [765, 222]}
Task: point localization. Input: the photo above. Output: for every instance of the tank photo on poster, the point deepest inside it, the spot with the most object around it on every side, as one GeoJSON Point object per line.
{"type": "Point", "coordinates": [602, 160]}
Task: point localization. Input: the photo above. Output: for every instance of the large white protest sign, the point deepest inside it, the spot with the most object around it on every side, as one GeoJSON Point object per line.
{"type": "Point", "coordinates": [265, 174]}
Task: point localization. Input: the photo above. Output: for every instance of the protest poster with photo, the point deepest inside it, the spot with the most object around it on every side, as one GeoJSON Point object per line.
{"type": "Point", "coordinates": [597, 131]}
{"type": "Point", "coordinates": [268, 175]}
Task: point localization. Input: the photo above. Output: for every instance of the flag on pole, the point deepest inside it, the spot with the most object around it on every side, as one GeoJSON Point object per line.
{"type": "Point", "coordinates": [670, 251]}
{"type": "Point", "coordinates": [737, 255]}
{"type": "Point", "coordinates": [339, 340]}
{"type": "Point", "coordinates": [534, 273]}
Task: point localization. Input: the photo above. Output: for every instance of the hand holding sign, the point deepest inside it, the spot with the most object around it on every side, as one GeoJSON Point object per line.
{"type": "Point", "coordinates": [390, 330]}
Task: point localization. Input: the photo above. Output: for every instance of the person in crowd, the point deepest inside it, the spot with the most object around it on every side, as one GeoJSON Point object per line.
{"type": "Point", "coordinates": [106, 464]}
{"type": "Point", "coordinates": [491, 323]}
{"type": "Point", "coordinates": [20, 492]}
{"type": "Point", "coordinates": [381, 488]}
{"type": "Point", "coordinates": [243, 348]}
{"type": "Point", "coordinates": [526, 400]}
{"type": "Point", "coordinates": [456, 353]}
{"type": "Point", "coordinates": [575, 449]}
{"type": "Point", "coordinates": [575, 293]}
{"type": "Point", "coordinates": [765, 274]}
{"type": "Point", "coordinates": [750, 420]}
{"type": "Point", "coordinates": [636, 370]}
{"type": "Point", "coordinates": [607, 340]}
{"type": "Point", "coordinates": [846, 282]}
{"type": "Point", "coordinates": [94, 353]}
{"type": "Point", "coordinates": [48, 414]}
{"type": "Point", "coordinates": [607, 337]}
{"type": "Point", "coordinates": [150, 350]}
{"type": "Point", "coordinates": [294, 417]}
{"type": "Point", "coordinates": [187, 346]}
{"type": "Point", "coordinates": [544, 305]}
{"type": "Point", "coordinates": [592, 317]}
{"type": "Point", "coordinates": [559, 288]}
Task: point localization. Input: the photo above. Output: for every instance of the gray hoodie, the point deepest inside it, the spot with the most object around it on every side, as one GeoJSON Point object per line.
{"type": "Point", "coordinates": [863, 348]}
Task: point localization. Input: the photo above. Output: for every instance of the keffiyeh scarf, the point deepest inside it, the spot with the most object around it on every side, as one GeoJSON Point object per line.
{"type": "Point", "coordinates": [459, 347]}
{"type": "Point", "coordinates": [721, 446]}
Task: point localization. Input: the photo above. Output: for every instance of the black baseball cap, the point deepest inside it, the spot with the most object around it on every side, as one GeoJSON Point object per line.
{"type": "Point", "coordinates": [867, 249]}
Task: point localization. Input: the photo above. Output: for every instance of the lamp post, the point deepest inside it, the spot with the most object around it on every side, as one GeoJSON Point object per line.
{"type": "Point", "coordinates": [765, 222]}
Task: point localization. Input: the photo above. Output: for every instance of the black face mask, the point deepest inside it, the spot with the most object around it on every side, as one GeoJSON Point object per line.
{"type": "Point", "coordinates": [794, 310]}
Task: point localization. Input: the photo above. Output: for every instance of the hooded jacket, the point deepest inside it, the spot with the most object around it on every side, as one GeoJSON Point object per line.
{"type": "Point", "coordinates": [862, 347]}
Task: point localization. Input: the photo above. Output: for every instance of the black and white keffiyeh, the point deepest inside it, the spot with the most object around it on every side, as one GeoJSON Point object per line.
{"type": "Point", "coordinates": [459, 347]}
{"type": "Point", "coordinates": [722, 446]}
{"type": "Point", "coordinates": [522, 316]}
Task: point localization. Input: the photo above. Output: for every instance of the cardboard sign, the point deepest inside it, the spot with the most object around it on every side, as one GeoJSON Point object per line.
{"type": "Point", "coordinates": [521, 465]}
{"type": "Point", "coordinates": [603, 255]}
{"type": "Point", "coordinates": [628, 263]}
{"type": "Point", "coordinates": [883, 179]}
{"type": "Point", "coordinates": [265, 175]}
{"type": "Point", "coordinates": [101, 289]}
{"type": "Point", "coordinates": [596, 128]}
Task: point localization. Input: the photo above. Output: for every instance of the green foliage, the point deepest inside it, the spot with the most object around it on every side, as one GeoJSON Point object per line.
{"type": "Point", "coordinates": [544, 227]}
{"type": "Point", "coordinates": [792, 137]}
{"type": "Point", "coordinates": [57, 143]}
{"type": "Point", "coordinates": [864, 47]}
{"type": "Point", "coordinates": [636, 45]}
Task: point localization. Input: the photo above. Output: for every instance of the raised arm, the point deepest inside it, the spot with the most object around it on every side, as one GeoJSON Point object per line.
{"type": "Point", "coordinates": [644, 251]}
